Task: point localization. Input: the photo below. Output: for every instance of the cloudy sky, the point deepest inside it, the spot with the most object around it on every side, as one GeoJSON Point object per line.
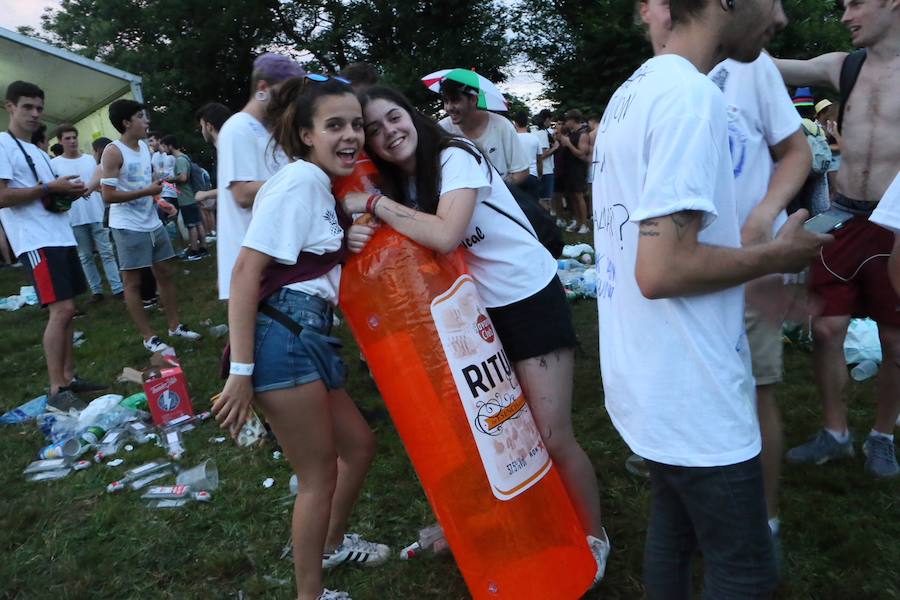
{"type": "Point", "coordinates": [15, 13]}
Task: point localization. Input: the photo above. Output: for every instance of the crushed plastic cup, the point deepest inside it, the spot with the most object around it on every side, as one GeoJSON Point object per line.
{"type": "Point", "coordinates": [204, 476]}
{"type": "Point", "coordinates": [64, 449]}
{"type": "Point", "coordinates": [866, 369]}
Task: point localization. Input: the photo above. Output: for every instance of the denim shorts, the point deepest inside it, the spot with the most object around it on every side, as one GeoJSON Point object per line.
{"type": "Point", "coordinates": [284, 360]}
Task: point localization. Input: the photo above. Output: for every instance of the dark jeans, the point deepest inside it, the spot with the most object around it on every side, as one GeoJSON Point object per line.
{"type": "Point", "coordinates": [722, 512]}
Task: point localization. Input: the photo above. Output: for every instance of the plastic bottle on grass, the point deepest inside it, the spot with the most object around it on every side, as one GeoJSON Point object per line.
{"type": "Point", "coordinates": [431, 541]}
{"type": "Point", "coordinates": [456, 403]}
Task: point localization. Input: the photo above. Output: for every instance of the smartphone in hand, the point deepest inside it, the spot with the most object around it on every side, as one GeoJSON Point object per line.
{"type": "Point", "coordinates": [828, 221]}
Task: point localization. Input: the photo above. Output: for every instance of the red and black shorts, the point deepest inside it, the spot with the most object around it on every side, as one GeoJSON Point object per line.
{"type": "Point", "coordinates": [56, 273]}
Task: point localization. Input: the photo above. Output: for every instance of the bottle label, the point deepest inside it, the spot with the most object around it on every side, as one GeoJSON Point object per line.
{"type": "Point", "coordinates": [508, 441]}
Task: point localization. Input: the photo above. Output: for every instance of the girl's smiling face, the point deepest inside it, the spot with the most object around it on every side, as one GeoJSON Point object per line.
{"type": "Point", "coordinates": [336, 136]}
{"type": "Point", "coordinates": [391, 134]}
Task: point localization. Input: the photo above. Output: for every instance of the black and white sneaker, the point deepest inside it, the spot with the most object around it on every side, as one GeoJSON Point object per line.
{"type": "Point", "coordinates": [355, 550]}
{"type": "Point", "coordinates": [155, 344]}
{"type": "Point", "coordinates": [183, 331]}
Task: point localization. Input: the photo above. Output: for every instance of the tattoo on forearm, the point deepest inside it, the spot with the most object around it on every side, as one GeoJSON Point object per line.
{"type": "Point", "coordinates": [401, 211]}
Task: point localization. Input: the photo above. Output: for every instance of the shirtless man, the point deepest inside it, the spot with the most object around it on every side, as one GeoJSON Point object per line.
{"type": "Point", "coordinates": [851, 274]}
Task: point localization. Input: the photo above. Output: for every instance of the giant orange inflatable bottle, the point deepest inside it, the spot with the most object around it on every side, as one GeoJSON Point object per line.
{"type": "Point", "coordinates": [456, 403]}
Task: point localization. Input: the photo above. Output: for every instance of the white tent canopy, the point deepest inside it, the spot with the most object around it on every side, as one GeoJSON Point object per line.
{"type": "Point", "coordinates": [77, 89]}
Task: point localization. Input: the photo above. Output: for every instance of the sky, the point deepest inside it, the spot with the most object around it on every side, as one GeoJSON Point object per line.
{"type": "Point", "coordinates": [523, 83]}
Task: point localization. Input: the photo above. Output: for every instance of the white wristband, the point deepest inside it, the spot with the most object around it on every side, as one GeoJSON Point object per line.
{"type": "Point", "coordinates": [241, 369]}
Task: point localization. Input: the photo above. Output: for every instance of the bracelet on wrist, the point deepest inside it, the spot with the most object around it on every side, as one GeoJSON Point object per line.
{"type": "Point", "coordinates": [372, 202]}
{"type": "Point", "coordinates": [245, 369]}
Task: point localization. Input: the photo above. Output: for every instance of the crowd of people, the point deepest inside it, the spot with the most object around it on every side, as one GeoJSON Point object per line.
{"type": "Point", "coordinates": [696, 183]}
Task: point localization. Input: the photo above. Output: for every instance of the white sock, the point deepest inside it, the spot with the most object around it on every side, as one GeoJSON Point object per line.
{"type": "Point", "coordinates": [887, 436]}
{"type": "Point", "coordinates": [839, 436]}
{"type": "Point", "coordinates": [774, 525]}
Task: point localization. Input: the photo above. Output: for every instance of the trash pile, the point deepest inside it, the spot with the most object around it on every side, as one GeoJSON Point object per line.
{"type": "Point", "coordinates": [577, 272]}
{"type": "Point", "coordinates": [112, 425]}
{"type": "Point", "coordinates": [862, 348]}
{"type": "Point", "coordinates": [26, 295]}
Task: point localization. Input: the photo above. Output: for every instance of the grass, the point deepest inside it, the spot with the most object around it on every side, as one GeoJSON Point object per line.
{"type": "Point", "coordinates": [69, 539]}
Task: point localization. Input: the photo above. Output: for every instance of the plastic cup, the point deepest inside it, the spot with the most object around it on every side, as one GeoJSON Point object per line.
{"type": "Point", "coordinates": [204, 476]}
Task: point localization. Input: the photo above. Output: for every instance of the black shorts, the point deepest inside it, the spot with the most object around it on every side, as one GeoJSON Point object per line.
{"type": "Point", "coordinates": [574, 181]}
{"type": "Point", "coordinates": [190, 214]}
{"type": "Point", "coordinates": [56, 273]}
{"type": "Point", "coordinates": [536, 325]}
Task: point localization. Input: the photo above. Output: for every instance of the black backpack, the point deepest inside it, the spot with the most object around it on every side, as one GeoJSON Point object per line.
{"type": "Point", "coordinates": [850, 69]}
{"type": "Point", "coordinates": [547, 233]}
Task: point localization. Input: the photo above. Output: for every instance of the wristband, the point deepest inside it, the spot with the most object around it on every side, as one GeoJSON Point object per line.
{"type": "Point", "coordinates": [372, 202]}
{"type": "Point", "coordinates": [241, 369]}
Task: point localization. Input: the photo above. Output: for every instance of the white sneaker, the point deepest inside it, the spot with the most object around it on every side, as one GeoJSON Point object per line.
{"type": "Point", "coordinates": [600, 549]}
{"type": "Point", "coordinates": [355, 550]}
{"type": "Point", "coordinates": [561, 223]}
{"type": "Point", "coordinates": [333, 595]}
{"type": "Point", "coordinates": [553, 213]}
{"type": "Point", "coordinates": [583, 230]}
{"type": "Point", "coordinates": [182, 331]}
{"type": "Point", "coordinates": [154, 344]}
{"type": "Point", "coordinates": [573, 226]}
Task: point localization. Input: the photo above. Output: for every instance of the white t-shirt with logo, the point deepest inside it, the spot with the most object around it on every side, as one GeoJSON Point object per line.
{"type": "Point", "coordinates": [135, 174]}
{"type": "Point", "coordinates": [499, 143]}
{"type": "Point", "coordinates": [294, 211]}
{"type": "Point", "coordinates": [30, 226]}
{"type": "Point", "coordinates": [506, 259]}
{"type": "Point", "coordinates": [532, 150]}
{"type": "Point", "coordinates": [760, 114]}
{"type": "Point", "coordinates": [676, 371]}
{"type": "Point", "coordinates": [84, 210]}
{"type": "Point", "coordinates": [887, 211]}
{"type": "Point", "coordinates": [245, 153]}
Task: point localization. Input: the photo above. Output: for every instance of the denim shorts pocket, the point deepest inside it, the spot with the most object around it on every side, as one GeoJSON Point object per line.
{"type": "Point", "coordinates": [324, 351]}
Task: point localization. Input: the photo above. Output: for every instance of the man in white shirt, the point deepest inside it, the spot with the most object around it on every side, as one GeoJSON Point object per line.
{"type": "Point", "coordinates": [674, 355]}
{"type": "Point", "coordinates": [532, 146]}
{"type": "Point", "coordinates": [141, 239]}
{"type": "Point", "coordinates": [163, 165]}
{"type": "Point", "coordinates": [86, 216]}
{"type": "Point", "coordinates": [494, 135]}
{"type": "Point", "coordinates": [762, 125]}
{"type": "Point", "coordinates": [246, 158]}
{"type": "Point", "coordinates": [211, 117]}
{"type": "Point", "coordinates": [544, 135]}
{"type": "Point", "coordinates": [41, 237]}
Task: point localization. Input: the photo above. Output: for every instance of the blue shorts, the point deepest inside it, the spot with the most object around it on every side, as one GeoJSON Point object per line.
{"type": "Point", "coordinates": [284, 360]}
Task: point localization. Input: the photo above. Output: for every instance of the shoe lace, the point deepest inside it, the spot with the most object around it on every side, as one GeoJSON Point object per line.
{"type": "Point", "coordinates": [882, 450]}
{"type": "Point", "coordinates": [354, 542]}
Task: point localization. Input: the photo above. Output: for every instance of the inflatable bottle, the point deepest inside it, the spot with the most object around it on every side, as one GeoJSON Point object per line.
{"type": "Point", "coordinates": [456, 403]}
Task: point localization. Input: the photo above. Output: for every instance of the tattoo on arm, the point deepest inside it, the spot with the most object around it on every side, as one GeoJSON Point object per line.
{"type": "Point", "coordinates": [401, 211]}
{"type": "Point", "coordinates": [649, 228]}
{"type": "Point", "coordinates": [683, 220]}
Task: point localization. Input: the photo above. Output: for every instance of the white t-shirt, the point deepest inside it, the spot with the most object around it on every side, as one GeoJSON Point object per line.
{"type": "Point", "coordinates": [84, 210]}
{"type": "Point", "coordinates": [294, 211]}
{"type": "Point", "coordinates": [544, 142]}
{"type": "Point", "coordinates": [164, 167]}
{"type": "Point", "coordinates": [135, 174]}
{"type": "Point", "coordinates": [499, 143]}
{"type": "Point", "coordinates": [760, 114]}
{"type": "Point", "coordinates": [532, 150]}
{"type": "Point", "coordinates": [676, 371]}
{"type": "Point", "coordinates": [244, 154]}
{"type": "Point", "coordinates": [507, 261]}
{"type": "Point", "coordinates": [30, 226]}
{"type": "Point", "coordinates": [887, 211]}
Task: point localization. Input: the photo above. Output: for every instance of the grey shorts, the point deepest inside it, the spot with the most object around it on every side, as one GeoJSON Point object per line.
{"type": "Point", "coordinates": [139, 249]}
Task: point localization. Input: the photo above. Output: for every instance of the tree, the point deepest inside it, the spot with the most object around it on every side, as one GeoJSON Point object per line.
{"type": "Point", "coordinates": [586, 48]}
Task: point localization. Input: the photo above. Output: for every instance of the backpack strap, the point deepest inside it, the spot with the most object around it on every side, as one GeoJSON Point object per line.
{"type": "Point", "coordinates": [510, 217]}
{"type": "Point", "coordinates": [850, 69]}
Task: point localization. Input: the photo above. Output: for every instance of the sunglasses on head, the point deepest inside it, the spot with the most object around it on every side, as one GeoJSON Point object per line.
{"type": "Point", "coordinates": [318, 77]}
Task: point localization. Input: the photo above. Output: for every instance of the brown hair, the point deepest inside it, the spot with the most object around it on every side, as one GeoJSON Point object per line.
{"type": "Point", "coordinates": [64, 128]}
{"type": "Point", "coordinates": [292, 108]}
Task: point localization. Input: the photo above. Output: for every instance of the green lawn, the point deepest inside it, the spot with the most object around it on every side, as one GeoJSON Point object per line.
{"type": "Point", "coordinates": [69, 539]}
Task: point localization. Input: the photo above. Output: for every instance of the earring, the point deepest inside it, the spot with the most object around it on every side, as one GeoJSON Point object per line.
{"type": "Point", "coordinates": [263, 96]}
{"type": "Point", "coordinates": [729, 4]}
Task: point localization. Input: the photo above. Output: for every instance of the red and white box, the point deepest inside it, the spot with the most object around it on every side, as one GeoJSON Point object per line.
{"type": "Point", "coordinates": [167, 394]}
